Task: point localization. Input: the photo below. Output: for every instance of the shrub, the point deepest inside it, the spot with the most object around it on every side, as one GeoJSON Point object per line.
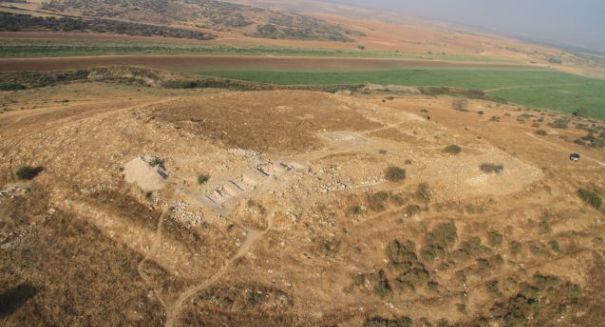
{"type": "Point", "coordinates": [28, 172]}
{"type": "Point", "coordinates": [453, 149]}
{"type": "Point", "coordinates": [581, 112]}
{"type": "Point", "coordinates": [383, 288]}
{"type": "Point", "coordinates": [495, 238]}
{"type": "Point", "coordinates": [355, 210]}
{"type": "Point", "coordinates": [156, 162]}
{"type": "Point", "coordinates": [376, 201]}
{"type": "Point", "coordinates": [424, 192]}
{"type": "Point", "coordinates": [203, 179]}
{"type": "Point", "coordinates": [439, 240]}
{"type": "Point", "coordinates": [11, 87]}
{"type": "Point", "coordinates": [591, 141]}
{"type": "Point", "coordinates": [383, 322]}
{"type": "Point", "coordinates": [491, 168]}
{"type": "Point", "coordinates": [591, 197]}
{"type": "Point", "coordinates": [555, 246]}
{"type": "Point", "coordinates": [493, 288]}
{"type": "Point", "coordinates": [330, 246]}
{"type": "Point", "coordinates": [460, 105]}
{"type": "Point", "coordinates": [395, 174]}
{"type": "Point", "coordinates": [541, 132]}
{"type": "Point", "coordinates": [433, 285]}
{"type": "Point", "coordinates": [560, 123]}
{"type": "Point", "coordinates": [412, 210]}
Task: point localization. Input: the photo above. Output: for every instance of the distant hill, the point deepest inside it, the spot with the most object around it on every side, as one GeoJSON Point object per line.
{"type": "Point", "coordinates": [208, 15]}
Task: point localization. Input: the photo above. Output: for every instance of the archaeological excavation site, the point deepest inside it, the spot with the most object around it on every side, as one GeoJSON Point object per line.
{"type": "Point", "coordinates": [295, 208]}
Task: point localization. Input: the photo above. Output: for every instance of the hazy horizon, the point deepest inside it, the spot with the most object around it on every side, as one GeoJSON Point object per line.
{"type": "Point", "coordinates": [575, 23]}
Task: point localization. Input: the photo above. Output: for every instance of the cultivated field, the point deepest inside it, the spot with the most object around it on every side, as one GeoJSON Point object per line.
{"type": "Point", "coordinates": [535, 87]}
{"type": "Point", "coordinates": [539, 88]}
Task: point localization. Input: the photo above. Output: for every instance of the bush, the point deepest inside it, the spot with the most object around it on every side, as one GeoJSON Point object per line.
{"type": "Point", "coordinates": [515, 247]}
{"type": "Point", "coordinates": [491, 168]}
{"type": "Point", "coordinates": [11, 87]}
{"type": "Point", "coordinates": [203, 179]}
{"type": "Point", "coordinates": [383, 322]}
{"type": "Point", "coordinates": [375, 202]}
{"type": "Point", "coordinates": [581, 112]}
{"type": "Point", "coordinates": [555, 246]}
{"type": "Point", "coordinates": [592, 141]}
{"type": "Point", "coordinates": [439, 240]}
{"type": "Point", "coordinates": [28, 172]}
{"type": "Point", "coordinates": [383, 287]}
{"type": "Point", "coordinates": [411, 210]}
{"type": "Point", "coordinates": [560, 123]}
{"type": "Point", "coordinates": [460, 105]}
{"type": "Point", "coordinates": [424, 192]}
{"type": "Point", "coordinates": [355, 210]}
{"type": "Point", "coordinates": [495, 238]}
{"type": "Point", "coordinates": [395, 174]}
{"type": "Point", "coordinates": [541, 132]}
{"type": "Point", "coordinates": [591, 197]}
{"type": "Point", "coordinates": [453, 149]}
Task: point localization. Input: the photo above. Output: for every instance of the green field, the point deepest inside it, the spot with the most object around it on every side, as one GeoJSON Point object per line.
{"type": "Point", "coordinates": [536, 88]}
{"type": "Point", "coordinates": [24, 48]}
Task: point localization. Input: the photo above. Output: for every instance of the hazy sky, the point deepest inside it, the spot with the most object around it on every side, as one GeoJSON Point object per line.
{"type": "Point", "coordinates": [573, 22]}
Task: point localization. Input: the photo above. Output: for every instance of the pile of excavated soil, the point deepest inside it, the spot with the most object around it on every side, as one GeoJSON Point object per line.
{"type": "Point", "coordinates": [147, 177]}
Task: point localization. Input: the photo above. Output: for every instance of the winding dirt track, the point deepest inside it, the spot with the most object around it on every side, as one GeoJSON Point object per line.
{"type": "Point", "coordinates": [203, 62]}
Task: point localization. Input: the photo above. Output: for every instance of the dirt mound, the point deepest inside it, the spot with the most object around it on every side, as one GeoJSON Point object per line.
{"type": "Point", "coordinates": [264, 121]}
{"type": "Point", "coordinates": [280, 210]}
{"type": "Point", "coordinates": [146, 174]}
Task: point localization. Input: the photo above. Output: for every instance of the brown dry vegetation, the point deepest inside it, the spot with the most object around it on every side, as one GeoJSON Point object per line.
{"type": "Point", "coordinates": [296, 224]}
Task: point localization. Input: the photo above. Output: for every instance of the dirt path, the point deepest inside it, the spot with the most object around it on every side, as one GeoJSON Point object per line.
{"type": "Point", "coordinates": [153, 250]}
{"type": "Point", "coordinates": [562, 148]}
{"type": "Point", "coordinates": [252, 236]}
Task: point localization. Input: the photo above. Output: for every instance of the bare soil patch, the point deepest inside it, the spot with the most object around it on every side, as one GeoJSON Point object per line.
{"type": "Point", "coordinates": [264, 121]}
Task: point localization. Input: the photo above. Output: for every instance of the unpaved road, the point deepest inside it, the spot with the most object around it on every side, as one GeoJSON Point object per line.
{"type": "Point", "coordinates": [559, 147]}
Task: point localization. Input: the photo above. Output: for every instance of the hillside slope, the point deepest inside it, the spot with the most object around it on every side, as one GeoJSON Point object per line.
{"type": "Point", "coordinates": [202, 14]}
